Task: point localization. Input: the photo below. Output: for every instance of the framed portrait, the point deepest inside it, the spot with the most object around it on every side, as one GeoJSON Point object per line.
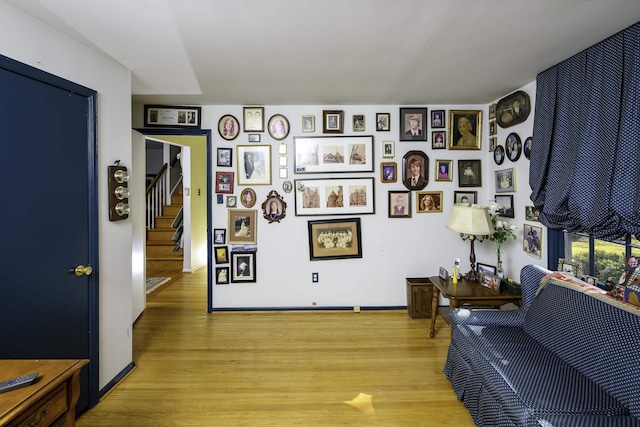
{"type": "Point", "coordinates": [359, 124]}
{"type": "Point", "coordinates": [248, 198]}
{"type": "Point", "coordinates": [332, 121]}
{"type": "Point", "coordinates": [278, 127]}
{"type": "Point", "coordinates": [335, 239]}
{"type": "Point", "coordinates": [388, 172]}
{"type": "Point", "coordinates": [253, 119]}
{"type": "Point", "coordinates": [383, 122]}
{"type": "Point", "coordinates": [513, 109]}
{"type": "Point", "coordinates": [388, 149]}
{"type": "Point", "coordinates": [532, 244]}
{"type": "Point", "coordinates": [438, 140]}
{"type": "Point", "coordinates": [444, 170]}
{"type": "Point", "coordinates": [493, 128]}
{"type": "Point", "coordinates": [232, 201]}
{"type": "Point", "coordinates": [413, 125]}
{"type": "Point", "coordinates": [415, 170]}
{"type": "Point", "coordinates": [254, 137]}
{"type": "Point", "coordinates": [467, 197]}
{"type": "Point", "coordinates": [242, 226]}
{"type": "Point", "coordinates": [491, 281]}
{"type": "Point", "coordinates": [254, 164]}
{"type": "Point", "coordinates": [531, 213]}
{"type": "Point", "coordinates": [506, 180]}
{"type": "Point", "coordinates": [428, 201]}
{"type": "Point", "coordinates": [506, 205]}
{"type": "Point", "coordinates": [486, 268]}
{"type": "Point", "coordinates": [287, 186]}
{"type": "Point", "coordinates": [498, 155]}
{"type": "Point", "coordinates": [334, 196]}
{"type": "Point", "coordinates": [438, 119]}
{"type": "Point", "coordinates": [591, 280]}
{"type": "Point", "coordinates": [170, 116]}
{"type": "Point", "coordinates": [274, 208]}
{"type": "Point", "coordinates": [243, 266]}
{"type": "Point", "coordinates": [493, 143]}
{"type": "Point", "coordinates": [308, 123]}
{"type": "Point", "coordinates": [332, 154]}
{"type": "Point", "coordinates": [222, 275]}
{"type": "Point", "coordinates": [526, 149]}
{"type": "Point", "coordinates": [283, 173]}
{"type": "Point", "coordinates": [224, 182]}
{"type": "Point", "coordinates": [513, 146]}
{"type": "Point", "coordinates": [492, 111]}
{"type": "Point", "coordinates": [224, 156]}
{"type": "Point", "coordinates": [399, 204]}
{"type": "Point", "coordinates": [228, 127]}
{"type": "Point", "coordinates": [465, 129]}
{"type": "Point", "coordinates": [219, 236]}
{"type": "Point", "coordinates": [469, 173]}
{"type": "Point", "coordinates": [222, 255]}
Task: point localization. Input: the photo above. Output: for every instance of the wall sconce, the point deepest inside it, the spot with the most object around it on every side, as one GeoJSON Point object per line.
{"type": "Point", "coordinates": [118, 192]}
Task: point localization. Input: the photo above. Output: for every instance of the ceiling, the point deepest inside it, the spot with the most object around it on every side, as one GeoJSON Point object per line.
{"type": "Point", "coordinates": [333, 52]}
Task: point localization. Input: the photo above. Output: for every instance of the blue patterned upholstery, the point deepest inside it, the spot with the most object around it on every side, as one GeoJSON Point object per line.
{"type": "Point", "coordinates": [563, 366]}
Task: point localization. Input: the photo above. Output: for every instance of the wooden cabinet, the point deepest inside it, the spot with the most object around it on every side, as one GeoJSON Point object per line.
{"type": "Point", "coordinates": [419, 297]}
{"type": "Point", "coordinates": [49, 402]}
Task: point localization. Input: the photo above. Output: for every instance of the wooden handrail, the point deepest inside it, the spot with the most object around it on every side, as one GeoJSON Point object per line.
{"type": "Point", "coordinates": [162, 170]}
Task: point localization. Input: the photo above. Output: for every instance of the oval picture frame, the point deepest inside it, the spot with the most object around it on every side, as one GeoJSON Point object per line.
{"type": "Point", "coordinates": [513, 146]}
{"type": "Point", "coordinates": [513, 109]}
{"type": "Point", "coordinates": [415, 157]}
{"type": "Point", "coordinates": [527, 147]}
{"type": "Point", "coordinates": [498, 155]}
{"type": "Point", "coordinates": [278, 127]}
{"type": "Point", "coordinates": [248, 197]}
{"type": "Point", "coordinates": [274, 208]}
{"type": "Point", "coordinates": [232, 131]}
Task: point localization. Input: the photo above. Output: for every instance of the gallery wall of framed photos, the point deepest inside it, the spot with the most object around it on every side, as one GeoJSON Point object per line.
{"type": "Point", "coordinates": [347, 153]}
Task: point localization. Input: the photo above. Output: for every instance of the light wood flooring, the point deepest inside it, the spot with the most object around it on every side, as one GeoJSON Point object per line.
{"type": "Point", "coordinates": [292, 368]}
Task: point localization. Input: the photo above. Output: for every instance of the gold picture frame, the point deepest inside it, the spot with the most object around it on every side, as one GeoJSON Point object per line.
{"type": "Point", "coordinates": [465, 129]}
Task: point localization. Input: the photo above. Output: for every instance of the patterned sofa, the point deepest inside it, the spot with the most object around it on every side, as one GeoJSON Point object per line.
{"type": "Point", "coordinates": [568, 357]}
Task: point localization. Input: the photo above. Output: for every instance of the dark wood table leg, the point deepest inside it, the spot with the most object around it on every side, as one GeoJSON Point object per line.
{"type": "Point", "coordinates": [434, 311]}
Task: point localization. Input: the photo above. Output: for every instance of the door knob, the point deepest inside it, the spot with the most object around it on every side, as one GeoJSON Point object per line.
{"type": "Point", "coordinates": [82, 270]}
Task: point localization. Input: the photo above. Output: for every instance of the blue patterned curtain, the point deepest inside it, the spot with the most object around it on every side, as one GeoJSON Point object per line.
{"type": "Point", "coordinates": [585, 156]}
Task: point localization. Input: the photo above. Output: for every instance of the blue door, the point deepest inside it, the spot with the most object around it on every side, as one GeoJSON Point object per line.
{"type": "Point", "coordinates": [49, 221]}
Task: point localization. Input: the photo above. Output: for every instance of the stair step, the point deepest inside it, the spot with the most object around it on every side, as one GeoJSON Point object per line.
{"type": "Point", "coordinates": [160, 250]}
{"type": "Point", "coordinates": [165, 264]}
{"type": "Point", "coordinates": [161, 234]}
{"type": "Point", "coordinates": [164, 221]}
{"type": "Point", "coordinates": [177, 199]}
{"type": "Point", "coordinates": [171, 210]}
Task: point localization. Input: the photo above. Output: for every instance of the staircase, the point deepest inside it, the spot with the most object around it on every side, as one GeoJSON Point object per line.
{"type": "Point", "coordinates": [161, 246]}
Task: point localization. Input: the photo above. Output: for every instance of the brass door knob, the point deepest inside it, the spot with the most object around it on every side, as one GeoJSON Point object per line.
{"type": "Point", "coordinates": [82, 270]}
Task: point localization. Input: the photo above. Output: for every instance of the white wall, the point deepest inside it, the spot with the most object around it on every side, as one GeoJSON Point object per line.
{"type": "Point", "coordinates": [26, 40]}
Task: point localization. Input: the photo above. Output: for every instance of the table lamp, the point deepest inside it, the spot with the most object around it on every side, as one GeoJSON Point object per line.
{"type": "Point", "coordinates": [473, 223]}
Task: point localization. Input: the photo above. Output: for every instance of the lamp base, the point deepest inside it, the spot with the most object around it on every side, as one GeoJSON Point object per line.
{"type": "Point", "coordinates": [472, 276]}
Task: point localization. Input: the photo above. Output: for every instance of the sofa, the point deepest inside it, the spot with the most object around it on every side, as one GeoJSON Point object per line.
{"type": "Point", "coordinates": [567, 357]}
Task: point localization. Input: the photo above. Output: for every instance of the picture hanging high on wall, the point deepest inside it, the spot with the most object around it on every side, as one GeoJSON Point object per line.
{"type": "Point", "coordinates": [333, 154]}
{"type": "Point", "coordinates": [334, 196]}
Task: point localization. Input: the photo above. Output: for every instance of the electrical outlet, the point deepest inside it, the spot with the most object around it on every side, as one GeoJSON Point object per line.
{"type": "Point", "coordinates": [356, 309]}
{"type": "Point", "coordinates": [314, 277]}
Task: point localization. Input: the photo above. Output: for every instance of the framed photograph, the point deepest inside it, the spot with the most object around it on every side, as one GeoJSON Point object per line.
{"type": "Point", "coordinates": [170, 116]}
{"type": "Point", "coordinates": [493, 143]}
{"type": "Point", "coordinates": [248, 198]}
{"type": "Point", "coordinates": [591, 280]}
{"type": "Point", "coordinates": [334, 196]}
{"type": "Point", "coordinates": [383, 122]}
{"type": "Point", "coordinates": [224, 182]}
{"type": "Point", "coordinates": [274, 208]}
{"type": "Point", "coordinates": [413, 124]}
{"type": "Point", "coordinates": [222, 275]}
{"type": "Point", "coordinates": [224, 156]}
{"type": "Point", "coordinates": [388, 149]}
{"type": "Point", "coordinates": [465, 129]}
{"type": "Point", "coordinates": [332, 121]}
{"type": "Point", "coordinates": [243, 266]}
{"type": "Point", "coordinates": [428, 201]}
{"type": "Point", "coordinates": [278, 127]}
{"type": "Point", "coordinates": [332, 154]}
{"type": "Point", "coordinates": [506, 180]}
{"type": "Point", "coordinates": [532, 244]}
{"type": "Point", "coordinates": [438, 138]}
{"type": "Point", "coordinates": [506, 205]}
{"type": "Point", "coordinates": [308, 123]}
{"type": "Point", "coordinates": [513, 109]}
{"type": "Point", "coordinates": [444, 170]}
{"type": "Point", "coordinates": [468, 197]}
{"type": "Point", "coordinates": [438, 119]}
{"type": "Point", "coordinates": [486, 268]}
{"type": "Point", "coordinates": [287, 186]}
{"type": "Point", "coordinates": [399, 204]}
{"type": "Point", "coordinates": [228, 127]}
{"type": "Point", "coordinates": [531, 213]}
{"type": "Point", "coordinates": [498, 155]}
{"type": "Point", "coordinates": [493, 128]}
{"type": "Point", "coordinates": [415, 170]}
{"type": "Point", "coordinates": [359, 124]}
{"type": "Point", "coordinates": [335, 239]}
{"type": "Point", "coordinates": [222, 256]}
{"type": "Point", "coordinates": [254, 137]}
{"type": "Point", "coordinates": [527, 147]}
{"type": "Point", "coordinates": [219, 236]}
{"type": "Point", "coordinates": [254, 164]}
{"type": "Point", "coordinates": [513, 146]}
{"type": "Point", "coordinates": [232, 201]}
{"type": "Point", "coordinates": [492, 111]}
{"type": "Point", "coordinates": [253, 119]}
{"type": "Point", "coordinates": [469, 173]}
{"type": "Point", "coordinates": [491, 281]}
{"type": "Point", "coordinates": [283, 173]}
{"type": "Point", "coordinates": [388, 172]}
{"type": "Point", "coordinates": [242, 226]}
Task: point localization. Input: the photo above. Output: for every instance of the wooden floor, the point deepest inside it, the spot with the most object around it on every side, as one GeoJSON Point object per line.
{"type": "Point", "coordinates": [305, 368]}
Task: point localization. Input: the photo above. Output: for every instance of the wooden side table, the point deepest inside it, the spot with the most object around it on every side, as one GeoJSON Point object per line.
{"type": "Point", "coordinates": [419, 295]}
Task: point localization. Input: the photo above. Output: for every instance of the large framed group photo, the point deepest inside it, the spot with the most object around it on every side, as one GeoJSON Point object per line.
{"type": "Point", "coordinates": [334, 196]}
{"type": "Point", "coordinates": [333, 154]}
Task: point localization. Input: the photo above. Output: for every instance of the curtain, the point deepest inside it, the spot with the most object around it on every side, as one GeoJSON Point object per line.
{"type": "Point", "coordinates": [585, 156]}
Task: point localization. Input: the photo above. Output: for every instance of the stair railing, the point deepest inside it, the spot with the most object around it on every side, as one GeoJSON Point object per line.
{"type": "Point", "coordinates": [156, 196]}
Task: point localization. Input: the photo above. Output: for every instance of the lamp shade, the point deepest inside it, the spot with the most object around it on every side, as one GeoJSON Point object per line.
{"type": "Point", "coordinates": [472, 219]}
